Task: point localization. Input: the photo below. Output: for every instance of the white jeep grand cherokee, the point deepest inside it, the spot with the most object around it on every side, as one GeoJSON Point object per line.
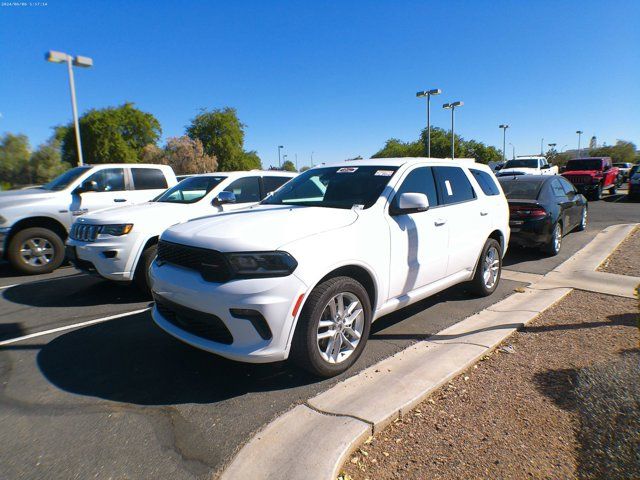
{"type": "Point", "coordinates": [120, 243]}
{"type": "Point", "coordinates": [303, 274]}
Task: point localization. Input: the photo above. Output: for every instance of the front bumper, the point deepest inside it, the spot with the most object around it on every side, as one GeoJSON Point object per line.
{"type": "Point", "coordinates": [114, 258]}
{"type": "Point", "coordinates": [273, 298]}
{"type": "Point", "coordinates": [4, 234]}
{"type": "Point", "coordinates": [530, 233]}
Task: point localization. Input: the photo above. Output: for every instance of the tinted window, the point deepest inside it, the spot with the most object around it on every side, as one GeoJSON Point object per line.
{"type": "Point", "coordinates": [566, 184]}
{"type": "Point", "coordinates": [419, 180]}
{"type": "Point", "coordinates": [556, 188]}
{"type": "Point", "coordinates": [522, 163]}
{"type": "Point", "coordinates": [148, 179]}
{"type": "Point", "coordinates": [486, 182]}
{"type": "Point", "coordinates": [584, 164]}
{"type": "Point", "coordinates": [246, 189]}
{"type": "Point", "coordinates": [334, 187]}
{"type": "Point", "coordinates": [271, 184]}
{"type": "Point", "coordinates": [190, 190]}
{"type": "Point", "coordinates": [108, 179]}
{"type": "Point", "coordinates": [521, 189]}
{"type": "Point", "coordinates": [453, 185]}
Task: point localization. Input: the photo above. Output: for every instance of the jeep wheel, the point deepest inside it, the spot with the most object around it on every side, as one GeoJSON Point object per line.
{"type": "Point", "coordinates": [488, 269]}
{"type": "Point", "coordinates": [333, 327]}
{"type": "Point", "coordinates": [141, 275]}
{"type": "Point", "coordinates": [36, 250]}
{"type": "Point", "coordinates": [597, 195]}
{"type": "Point", "coordinates": [612, 190]}
{"type": "Point", "coordinates": [555, 242]}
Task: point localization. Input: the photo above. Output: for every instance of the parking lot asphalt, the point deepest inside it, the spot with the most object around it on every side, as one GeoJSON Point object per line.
{"type": "Point", "coordinates": [121, 399]}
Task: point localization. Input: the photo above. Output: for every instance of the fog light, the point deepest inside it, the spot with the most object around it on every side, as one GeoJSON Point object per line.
{"type": "Point", "coordinates": [256, 319]}
{"type": "Point", "coordinates": [110, 253]}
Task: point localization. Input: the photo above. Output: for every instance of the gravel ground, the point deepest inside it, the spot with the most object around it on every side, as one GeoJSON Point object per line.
{"type": "Point", "coordinates": [625, 260]}
{"type": "Point", "coordinates": [511, 415]}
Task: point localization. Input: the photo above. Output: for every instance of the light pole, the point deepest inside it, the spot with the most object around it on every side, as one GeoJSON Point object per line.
{"type": "Point", "coordinates": [562, 148]}
{"type": "Point", "coordinates": [579, 132]}
{"type": "Point", "coordinates": [504, 139]}
{"type": "Point", "coordinates": [552, 145]}
{"type": "Point", "coordinates": [452, 106]}
{"type": "Point", "coordinates": [280, 147]}
{"type": "Point", "coordinates": [513, 150]}
{"type": "Point", "coordinates": [428, 93]}
{"type": "Point", "coordinates": [541, 147]}
{"type": "Point", "coordinates": [71, 61]}
{"type": "Point", "coordinates": [311, 159]}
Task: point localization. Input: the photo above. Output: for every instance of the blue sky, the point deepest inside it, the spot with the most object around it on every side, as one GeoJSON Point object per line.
{"type": "Point", "coordinates": [336, 78]}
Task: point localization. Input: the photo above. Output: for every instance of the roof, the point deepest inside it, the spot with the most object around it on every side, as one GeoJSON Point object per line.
{"type": "Point", "coordinates": [397, 162]}
{"type": "Point", "coordinates": [264, 173]}
{"type": "Point", "coordinates": [520, 178]}
{"type": "Point", "coordinates": [126, 165]}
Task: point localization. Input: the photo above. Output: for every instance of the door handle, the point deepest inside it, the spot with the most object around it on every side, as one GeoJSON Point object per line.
{"type": "Point", "coordinates": [439, 222]}
{"type": "Point", "coordinates": [484, 214]}
{"type": "Point", "coordinates": [119, 200]}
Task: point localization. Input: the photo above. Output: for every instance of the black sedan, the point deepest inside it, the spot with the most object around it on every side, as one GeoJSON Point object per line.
{"type": "Point", "coordinates": [543, 208]}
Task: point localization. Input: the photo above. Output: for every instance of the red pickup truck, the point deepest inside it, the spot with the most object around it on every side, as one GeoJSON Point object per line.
{"type": "Point", "coordinates": [592, 175]}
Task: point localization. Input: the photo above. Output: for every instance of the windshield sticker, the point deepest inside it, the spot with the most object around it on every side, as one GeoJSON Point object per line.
{"type": "Point", "coordinates": [384, 173]}
{"type": "Point", "coordinates": [448, 185]}
{"type": "Point", "coordinates": [347, 169]}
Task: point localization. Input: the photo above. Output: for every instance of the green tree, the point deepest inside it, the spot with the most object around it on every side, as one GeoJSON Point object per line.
{"type": "Point", "coordinates": [111, 135]}
{"type": "Point", "coordinates": [288, 166]}
{"type": "Point", "coordinates": [622, 151]}
{"type": "Point", "coordinates": [250, 161]}
{"type": "Point", "coordinates": [305, 168]}
{"type": "Point", "coordinates": [14, 160]}
{"type": "Point", "coordinates": [46, 162]}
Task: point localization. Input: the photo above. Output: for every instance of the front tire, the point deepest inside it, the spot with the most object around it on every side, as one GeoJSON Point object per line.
{"type": "Point", "coordinates": [141, 277]}
{"type": "Point", "coordinates": [583, 222]}
{"type": "Point", "coordinates": [33, 251]}
{"type": "Point", "coordinates": [333, 327]}
{"type": "Point", "coordinates": [597, 195]}
{"type": "Point", "coordinates": [489, 269]}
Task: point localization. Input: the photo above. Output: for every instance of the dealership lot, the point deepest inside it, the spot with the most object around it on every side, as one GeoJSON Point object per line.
{"type": "Point", "coordinates": [120, 398]}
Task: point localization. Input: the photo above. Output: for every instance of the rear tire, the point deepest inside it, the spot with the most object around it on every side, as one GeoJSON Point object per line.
{"type": "Point", "coordinates": [34, 251]}
{"type": "Point", "coordinates": [555, 242]}
{"type": "Point", "coordinates": [141, 276]}
{"type": "Point", "coordinates": [311, 348]}
{"type": "Point", "coordinates": [488, 270]}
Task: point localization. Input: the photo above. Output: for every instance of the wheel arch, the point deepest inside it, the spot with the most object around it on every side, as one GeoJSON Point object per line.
{"type": "Point", "coordinates": [37, 222]}
{"type": "Point", "coordinates": [150, 241]}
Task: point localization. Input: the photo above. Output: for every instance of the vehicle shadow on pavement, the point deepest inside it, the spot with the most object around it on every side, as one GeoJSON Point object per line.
{"type": "Point", "coordinates": [131, 360]}
{"type": "Point", "coordinates": [73, 291]}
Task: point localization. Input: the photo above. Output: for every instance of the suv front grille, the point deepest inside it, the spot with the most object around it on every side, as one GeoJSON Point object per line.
{"type": "Point", "coordinates": [209, 263]}
{"type": "Point", "coordinates": [200, 324]}
{"type": "Point", "coordinates": [578, 179]}
{"type": "Point", "coordinates": [84, 232]}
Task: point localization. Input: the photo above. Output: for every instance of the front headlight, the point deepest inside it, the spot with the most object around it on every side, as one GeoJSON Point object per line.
{"type": "Point", "coordinates": [261, 264]}
{"type": "Point", "coordinates": [116, 230]}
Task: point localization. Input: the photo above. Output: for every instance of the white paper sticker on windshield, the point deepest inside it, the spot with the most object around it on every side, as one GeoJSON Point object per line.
{"type": "Point", "coordinates": [347, 169]}
{"type": "Point", "coordinates": [448, 185]}
{"type": "Point", "coordinates": [384, 173]}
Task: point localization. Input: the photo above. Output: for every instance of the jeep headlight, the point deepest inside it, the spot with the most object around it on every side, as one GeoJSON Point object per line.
{"type": "Point", "coordinates": [116, 230]}
{"type": "Point", "coordinates": [261, 264]}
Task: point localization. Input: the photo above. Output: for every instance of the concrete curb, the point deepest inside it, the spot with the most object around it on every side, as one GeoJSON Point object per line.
{"type": "Point", "coordinates": [313, 440]}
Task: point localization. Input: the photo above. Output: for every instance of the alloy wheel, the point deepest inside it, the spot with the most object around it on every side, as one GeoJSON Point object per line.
{"type": "Point", "coordinates": [37, 251]}
{"type": "Point", "coordinates": [340, 327]}
{"type": "Point", "coordinates": [491, 267]}
{"type": "Point", "coordinates": [557, 238]}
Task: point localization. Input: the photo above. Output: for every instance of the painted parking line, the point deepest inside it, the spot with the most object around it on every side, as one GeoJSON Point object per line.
{"type": "Point", "coordinates": [34, 282]}
{"type": "Point", "coordinates": [75, 325]}
{"type": "Point", "coordinates": [9, 286]}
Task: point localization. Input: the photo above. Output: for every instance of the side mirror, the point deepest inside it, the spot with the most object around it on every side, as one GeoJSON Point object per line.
{"type": "Point", "coordinates": [87, 186]}
{"type": "Point", "coordinates": [223, 198]}
{"type": "Point", "coordinates": [545, 167]}
{"type": "Point", "coordinates": [411, 203]}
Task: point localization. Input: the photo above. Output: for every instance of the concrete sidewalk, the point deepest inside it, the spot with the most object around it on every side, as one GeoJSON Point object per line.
{"type": "Point", "coordinates": [312, 441]}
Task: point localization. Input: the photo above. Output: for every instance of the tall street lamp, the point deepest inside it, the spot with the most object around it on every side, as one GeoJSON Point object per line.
{"type": "Point", "coordinates": [541, 147]}
{"type": "Point", "coordinates": [280, 147]}
{"type": "Point", "coordinates": [452, 106]}
{"type": "Point", "coordinates": [579, 132]}
{"type": "Point", "coordinates": [513, 151]}
{"type": "Point", "coordinates": [504, 139]}
{"type": "Point", "coordinates": [552, 145]}
{"type": "Point", "coordinates": [71, 61]}
{"type": "Point", "coordinates": [428, 93]}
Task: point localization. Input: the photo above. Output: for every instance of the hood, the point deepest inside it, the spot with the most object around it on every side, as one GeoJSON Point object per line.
{"type": "Point", "coordinates": [261, 228]}
{"type": "Point", "coordinates": [140, 212]}
{"type": "Point", "coordinates": [519, 170]}
{"type": "Point", "coordinates": [21, 197]}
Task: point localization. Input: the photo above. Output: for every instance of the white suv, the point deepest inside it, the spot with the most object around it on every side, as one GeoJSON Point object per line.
{"type": "Point", "coordinates": [304, 273]}
{"type": "Point", "coordinates": [120, 243]}
{"type": "Point", "coordinates": [34, 223]}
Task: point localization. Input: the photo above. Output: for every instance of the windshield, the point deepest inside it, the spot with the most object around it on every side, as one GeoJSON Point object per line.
{"type": "Point", "coordinates": [521, 189]}
{"type": "Point", "coordinates": [190, 190]}
{"type": "Point", "coordinates": [584, 164]}
{"type": "Point", "coordinates": [67, 178]}
{"type": "Point", "coordinates": [334, 187]}
{"type": "Point", "coordinates": [522, 163]}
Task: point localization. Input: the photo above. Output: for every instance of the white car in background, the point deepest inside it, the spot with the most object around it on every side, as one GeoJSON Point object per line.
{"type": "Point", "coordinates": [527, 166]}
{"type": "Point", "coordinates": [120, 243]}
{"type": "Point", "coordinates": [34, 223]}
{"type": "Point", "coordinates": [304, 273]}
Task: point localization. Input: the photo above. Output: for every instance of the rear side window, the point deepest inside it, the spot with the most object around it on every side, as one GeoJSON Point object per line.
{"type": "Point", "coordinates": [453, 185]}
{"type": "Point", "coordinates": [486, 182]}
{"type": "Point", "coordinates": [556, 188]}
{"type": "Point", "coordinates": [245, 189]}
{"type": "Point", "coordinates": [148, 179]}
{"type": "Point", "coordinates": [271, 184]}
{"type": "Point", "coordinates": [419, 180]}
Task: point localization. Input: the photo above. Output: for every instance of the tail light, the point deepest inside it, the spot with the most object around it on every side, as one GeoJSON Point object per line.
{"type": "Point", "coordinates": [527, 211]}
